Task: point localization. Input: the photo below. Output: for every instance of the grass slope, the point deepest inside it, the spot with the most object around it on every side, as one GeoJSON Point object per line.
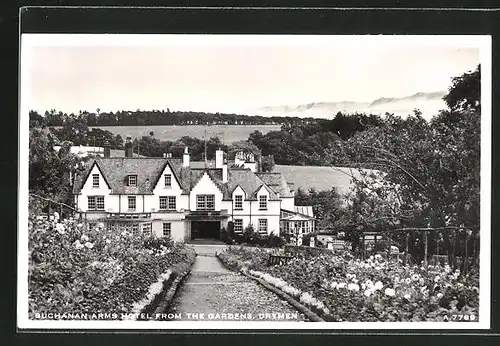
{"type": "Point", "coordinates": [319, 178]}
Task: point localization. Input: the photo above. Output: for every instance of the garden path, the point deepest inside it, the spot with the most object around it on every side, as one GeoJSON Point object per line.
{"type": "Point", "coordinates": [222, 295]}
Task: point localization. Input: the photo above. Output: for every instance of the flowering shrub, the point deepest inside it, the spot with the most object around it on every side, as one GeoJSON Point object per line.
{"type": "Point", "coordinates": [369, 290]}
{"type": "Point", "coordinates": [78, 270]}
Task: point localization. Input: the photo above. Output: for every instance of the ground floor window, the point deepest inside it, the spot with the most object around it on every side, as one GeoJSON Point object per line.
{"type": "Point", "coordinates": [167, 229]}
{"type": "Point", "coordinates": [285, 227]}
{"type": "Point", "coordinates": [135, 229]}
{"type": "Point", "coordinates": [262, 225]}
{"type": "Point", "coordinates": [238, 225]}
{"type": "Point", "coordinates": [146, 229]}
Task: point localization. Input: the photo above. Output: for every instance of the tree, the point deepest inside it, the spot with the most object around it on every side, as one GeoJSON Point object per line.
{"type": "Point", "coordinates": [49, 171]}
{"type": "Point", "coordinates": [428, 172]}
{"type": "Point", "coordinates": [465, 92]}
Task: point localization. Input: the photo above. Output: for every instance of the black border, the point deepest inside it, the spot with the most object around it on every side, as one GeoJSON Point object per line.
{"type": "Point", "coordinates": [261, 21]}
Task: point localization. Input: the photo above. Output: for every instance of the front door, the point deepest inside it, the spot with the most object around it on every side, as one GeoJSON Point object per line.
{"type": "Point", "coordinates": [205, 229]}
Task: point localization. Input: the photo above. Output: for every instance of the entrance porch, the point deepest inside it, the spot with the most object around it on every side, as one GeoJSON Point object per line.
{"type": "Point", "coordinates": [207, 224]}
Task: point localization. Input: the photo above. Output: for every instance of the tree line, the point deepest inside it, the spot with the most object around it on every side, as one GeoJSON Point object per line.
{"type": "Point", "coordinates": [159, 117]}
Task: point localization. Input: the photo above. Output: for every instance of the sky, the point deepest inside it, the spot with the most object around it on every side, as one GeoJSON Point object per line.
{"type": "Point", "coordinates": [232, 76]}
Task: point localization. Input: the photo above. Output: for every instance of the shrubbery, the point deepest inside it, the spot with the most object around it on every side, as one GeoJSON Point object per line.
{"type": "Point", "coordinates": [75, 269]}
{"type": "Point", "coordinates": [251, 237]}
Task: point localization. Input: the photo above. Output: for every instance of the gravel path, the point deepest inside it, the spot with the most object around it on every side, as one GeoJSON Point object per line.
{"type": "Point", "coordinates": [214, 293]}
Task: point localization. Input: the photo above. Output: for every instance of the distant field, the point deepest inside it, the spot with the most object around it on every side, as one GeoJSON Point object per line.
{"type": "Point", "coordinates": [227, 133]}
{"type": "Point", "coordinates": [319, 178]}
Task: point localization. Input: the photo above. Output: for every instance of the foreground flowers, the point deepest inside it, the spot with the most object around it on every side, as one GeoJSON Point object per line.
{"type": "Point", "coordinates": [73, 268]}
{"type": "Point", "coordinates": [354, 290]}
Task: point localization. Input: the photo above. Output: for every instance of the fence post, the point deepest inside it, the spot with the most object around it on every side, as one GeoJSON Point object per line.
{"type": "Point", "coordinates": [426, 246]}
{"type": "Point", "coordinates": [454, 256]}
{"type": "Point", "coordinates": [406, 248]}
{"type": "Point", "coordinates": [438, 237]}
{"type": "Point", "coordinates": [466, 263]}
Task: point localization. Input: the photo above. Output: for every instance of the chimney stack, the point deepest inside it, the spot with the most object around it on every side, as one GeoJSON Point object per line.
{"type": "Point", "coordinates": [219, 158]}
{"type": "Point", "coordinates": [107, 149]}
{"type": "Point", "coordinates": [129, 152]}
{"type": "Point", "coordinates": [224, 171]}
{"type": "Point", "coordinates": [185, 158]}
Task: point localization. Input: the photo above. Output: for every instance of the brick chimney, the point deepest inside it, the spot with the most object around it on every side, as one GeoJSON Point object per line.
{"type": "Point", "coordinates": [107, 149]}
{"type": "Point", "coordinates": [129, 152]}
{"type": "Point", "coordinates": [185, 158]}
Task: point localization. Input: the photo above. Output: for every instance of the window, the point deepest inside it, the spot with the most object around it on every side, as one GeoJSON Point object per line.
{"type": "Point", "coordinates": [168, 203]}
{"type": "Point", "coordinates": [205, 202]}
{"type": "Point", "coordinates": [95, 202]}
{"type": "Point", "coordinates": [168, 180]}
{"type": "Point", "coordinates": [172, 205]}
{"type": "Point", "coordinates": [238, 225]}
{"type": "Point", "coordinates": [132, 180]}
{"type": "Point", "coordinates": [262, 202]}
{"type": "Point", "coordinates": [238, 202]}
{"type": "Point", "coordinates": [131, 203]}
{"type": "Point", "coordinates": [146, 229]}
{"type": "Point", "coordinates": [135, 229]}
{"type": "Point", "coordinates": [95, 180]}
{"type": "Point", "coordinates": [262, 225]}
{"type": "Point", "coordinates": [167, 229]}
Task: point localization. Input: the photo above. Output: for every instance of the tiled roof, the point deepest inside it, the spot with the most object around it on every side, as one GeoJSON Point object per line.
{"type": "Point", "coordinates": [277, 182]}
{"type": "Point", "coordinates": [248, 181]}
{"type": "Point", "coordinates": [201, 164]}
{"type": "Point", "coordinates": [117, 169]}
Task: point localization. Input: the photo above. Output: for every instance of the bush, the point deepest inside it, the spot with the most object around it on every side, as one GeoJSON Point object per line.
{"type": "Point", "coordinates": [224, 236]}
{"type": "Point", "coordinates": [275, 241]}
{"type": "Point", "coordinates": [153, 243]}
{"type": "Point", "coordinates": [255, 239]}
{"type": "Point", "coordinates": [230, 230]}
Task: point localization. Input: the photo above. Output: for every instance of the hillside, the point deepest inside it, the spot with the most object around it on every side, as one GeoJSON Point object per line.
{"type": "Point", "coordinates": [319, 178]}
{"type": "Point", "coordinates": [428, 103]}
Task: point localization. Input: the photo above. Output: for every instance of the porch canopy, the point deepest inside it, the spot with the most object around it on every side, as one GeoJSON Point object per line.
{"type": "Point", "coordinates": [207, 216]}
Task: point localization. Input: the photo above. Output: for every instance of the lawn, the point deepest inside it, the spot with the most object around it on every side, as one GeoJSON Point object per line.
{"type": "Point", "coordinates": [319, 178]}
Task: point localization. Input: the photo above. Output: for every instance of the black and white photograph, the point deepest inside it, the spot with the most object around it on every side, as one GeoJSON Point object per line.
{"type": "Point", "coordinates": [254, 182]}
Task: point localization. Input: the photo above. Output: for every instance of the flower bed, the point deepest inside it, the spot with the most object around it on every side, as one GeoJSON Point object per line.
{"type": "Point", "coordinates": [345, 289]}
{"type": "Point", "coordinates": [76, 270]}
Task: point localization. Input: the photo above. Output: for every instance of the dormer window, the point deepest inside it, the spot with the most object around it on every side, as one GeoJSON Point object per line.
{"type": "Point", "coordinates": [168, 180]}
{"type": "Point", "coordinates": [132, 180]}
{"type": "Point", "coordinates": [95, 180]}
